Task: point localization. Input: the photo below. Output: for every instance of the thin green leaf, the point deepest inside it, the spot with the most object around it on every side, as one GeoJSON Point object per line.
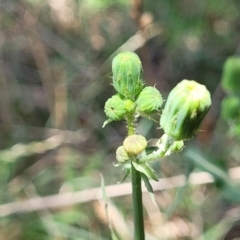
{"type": "Point", "coordinates": [149, 187]}
{"type": "Point", "coordinates": [104, 193]}
{"type": "Point", "coordinates": [126, 175]}
{"type": "Point", "coordinates": [206, 165]}
{"type": "Point", "coordinates": [230, 190]}
{"type": "Point", "coordinates": [178, 198]}
{"type": "Point", "coordinates": [147, 116]}
{"type": "Point", "coordinates": [114, 235]}
{"type": "Point", "coordinates": [105, 199]}
{"type": "Point", "coordinates": [145, 169]}
{"type": "Point", "coordinates": [219, 230]}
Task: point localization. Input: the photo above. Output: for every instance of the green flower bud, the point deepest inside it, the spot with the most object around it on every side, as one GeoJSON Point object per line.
{"type": "Point", "coordinates": [230, 107]}
{"type": "Point", "coordinates": [186, 106]}
{"type": "Point", "coordinates": [231, 75]}
{"type": "Point", "coordinates": [129, 105]}
{"type": "Point", "coordinates": [115, 108]}
{"type": "Point", "coordinates": [127, 74]}
{"type": "Point", "coordinates": [135, 144]}
{"type": "Point", "coordinates": [177, 146]}
{"type": "Point", "coordinates": [121, 155]}
{"type": "Point", "coordinates": [149, 100]}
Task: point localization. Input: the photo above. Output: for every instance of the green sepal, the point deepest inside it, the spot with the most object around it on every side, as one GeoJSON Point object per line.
{"type": "Point", "coordinates": [147, 116]}
{"type": "Point", "coordinates": [106, 122]}
{"type": "Point", "coordinates": [149, 187]}
{"type": "Point", "coordinates": [117, 164]}
{"type": "Point", "coordinates": [145, 169]}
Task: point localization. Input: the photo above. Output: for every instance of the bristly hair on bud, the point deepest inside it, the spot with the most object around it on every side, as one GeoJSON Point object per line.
{"type": "Point", "coordinates": [186, 106]}
{"type": "Point", "coordinates": [127, 75]}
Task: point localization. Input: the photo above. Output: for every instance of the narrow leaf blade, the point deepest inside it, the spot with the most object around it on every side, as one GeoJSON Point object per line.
{"type": "Point", "coordinates": [145, 169]}
{"type": "Point", "coordinates": [149, 188]}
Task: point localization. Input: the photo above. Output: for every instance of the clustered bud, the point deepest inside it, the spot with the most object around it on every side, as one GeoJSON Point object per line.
{"type": "Point", "coordinates": [135, 144]}
{"type": "Point", "coordinates": [115, 108]}
{"type": "Point", "coordinates": [121, 155]}
{"type": "Point", "coordinates": [186, 106]}
{"type": "Point", "coordinates": [176, 146]}
{"type": "Point", "coordinates": [132, 99]}
{"type": "Point", "coordinates": [127, 75]}
{"type": "Point", "coordinates": [149, 100]}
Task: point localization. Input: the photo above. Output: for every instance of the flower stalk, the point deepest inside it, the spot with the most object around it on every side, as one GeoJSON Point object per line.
{"type": "Point", "coordinates": [136, 188]}
{"type": "Point", "coordinates": [137, 204]}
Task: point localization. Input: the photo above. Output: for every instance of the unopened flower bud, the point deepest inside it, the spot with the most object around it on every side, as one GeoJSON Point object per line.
{"type": "Point", "coordinates": [127, 75]}
{"type": "Point", "coordinates": [149, 100]}
{"type": "Point", "coordinates": [177, 146]}
{"type": "Point", "coordinates": [186, 106]}
{"type": "Point", "coordinates": [231, 75]}
{"type": "Point", "coordinates": [129, 105]}
{"type": "Point", "coordinates": [121, 155]}
{"type": "Point", "coordinates": [135, 144]}
{"type": "Point", "coordinates": [115, 108]}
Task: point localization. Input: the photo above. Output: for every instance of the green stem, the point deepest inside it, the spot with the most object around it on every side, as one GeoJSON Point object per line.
{"type": "Point", "coordinates": [136, 189]}
{"type": "Point", "coordinates": [137, 205]}
{"type": "Point", "coordinates": [153, 156]}
{"type": "Point", "coordinates": [131, 128]}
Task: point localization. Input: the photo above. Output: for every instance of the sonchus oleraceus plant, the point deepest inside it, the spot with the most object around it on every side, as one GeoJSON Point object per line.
{"type": "Point", "coordinates": [185, 108]}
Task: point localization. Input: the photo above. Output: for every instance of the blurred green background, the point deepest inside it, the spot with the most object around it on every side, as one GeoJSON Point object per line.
{"type": "Point", "coordinates": [55, 75]}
